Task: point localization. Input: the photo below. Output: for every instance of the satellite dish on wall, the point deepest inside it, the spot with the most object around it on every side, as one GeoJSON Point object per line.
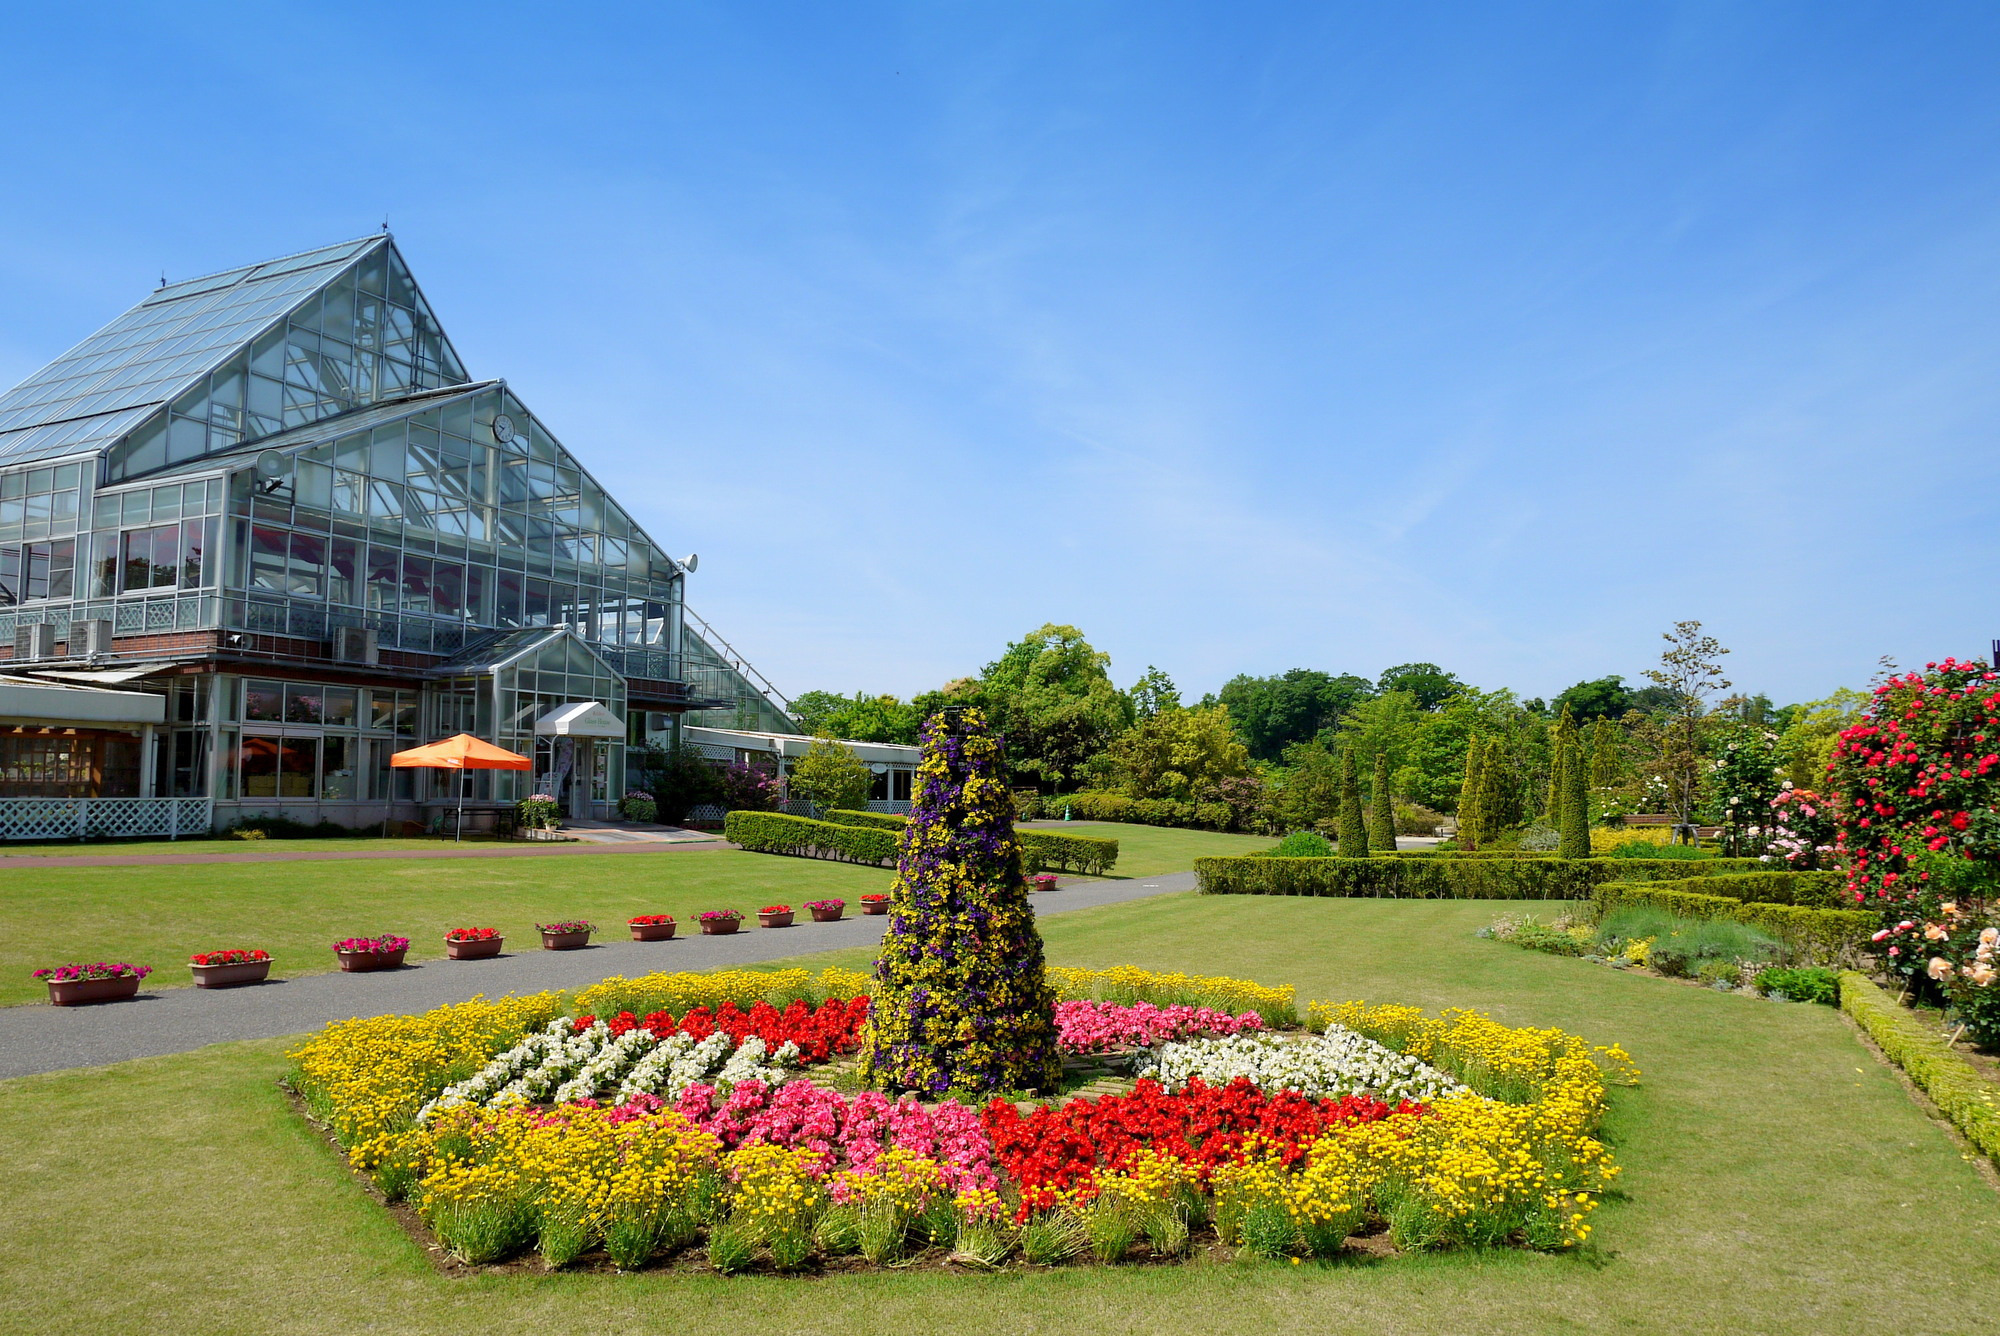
{"type": "Point", "coordinates": [271, 465]}
{"type": "Point", "coordinates": [692, 560]}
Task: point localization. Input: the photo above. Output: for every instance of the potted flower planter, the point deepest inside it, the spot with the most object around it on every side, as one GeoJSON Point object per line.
{"type": "Point", "coordinates": [1042, 881]}
{"type": "Point", "coordinates": [874, 904]}
{"type": "Point", "coordinates": [364, 962]}
{"type": "Point", "coordinates": [721, 925]}
{"type": "Point", "coordinates": [227, 969]}
{"type": "Point", "coordinates": [566, 941]}
{"type": "Point", "coordinates": [652, 928]}
{"type": "Point", "coordinates": [779, 916]}
{"type": "Point", "coordinates": [360, 955]}
{"type": "Point", "coordinates": [473, 948]}
{"type": "Point", "coordinates": [81, 992]}
{"type": "Point", "coordinates": [827, 911]}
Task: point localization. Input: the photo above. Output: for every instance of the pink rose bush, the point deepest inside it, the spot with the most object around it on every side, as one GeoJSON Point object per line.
{"type": "Point", "coordinates": [1096, 1027]}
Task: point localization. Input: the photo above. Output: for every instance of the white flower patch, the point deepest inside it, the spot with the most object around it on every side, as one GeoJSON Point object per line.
{"type": "Point", "coordinates": [1339, 1062]}
{"type": "Point", "coordinates": [560, 1065]}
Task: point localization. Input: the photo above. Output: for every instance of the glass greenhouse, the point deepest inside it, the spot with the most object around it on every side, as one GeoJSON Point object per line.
{"type": "Point", "coordinates": [269, 512]}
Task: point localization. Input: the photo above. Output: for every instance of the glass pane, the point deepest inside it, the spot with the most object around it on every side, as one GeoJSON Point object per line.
{"type": "Point", "coordinates": [268, 557]}
{"type": "Point", "coordinates": [304, 704]}
{"type": "Point", "coordinates": [336, 768]}
{"type": "Point", "coordinates": [258, 763]}
{"type": "Point", "coordinates": [263, 701]}
{"type": "Point", "coordinates": [337, 710]}
{"type": "Point", "coordinates": [298, 767]}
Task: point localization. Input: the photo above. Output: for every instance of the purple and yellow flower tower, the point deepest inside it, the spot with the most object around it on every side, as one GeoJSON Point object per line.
{"type": "Point", "coordinates": [962, 1002]}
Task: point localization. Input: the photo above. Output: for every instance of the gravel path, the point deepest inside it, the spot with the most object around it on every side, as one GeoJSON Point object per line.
{"type": "Point", "coordinates": [176, 1019]}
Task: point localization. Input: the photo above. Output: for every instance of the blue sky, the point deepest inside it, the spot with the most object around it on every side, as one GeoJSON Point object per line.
{"type": "Point", "coordinates": [1244, 336]}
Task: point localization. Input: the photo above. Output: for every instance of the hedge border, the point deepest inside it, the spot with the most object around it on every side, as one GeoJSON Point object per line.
{"type": "Point", "coordinates": [803, 837]}
{"type": "Point", "coordinates": [1822, 932]}
{"type": "Point", "coordinates": [1959, 1091]}
{"type": "Point", "coordinates": [870, 837]}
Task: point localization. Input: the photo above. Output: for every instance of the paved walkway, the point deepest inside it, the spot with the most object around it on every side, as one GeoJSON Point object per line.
{"type": "Point", "coordinates": [174, 1020]}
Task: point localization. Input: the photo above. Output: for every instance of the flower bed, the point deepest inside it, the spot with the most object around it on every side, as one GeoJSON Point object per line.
{"type": "Point", "coordinates": [671, 1111]}
{"type": "Point", "coordinates": [1098, 1027]}
{"type": "Point", "coordinates": [472, 935]}
{"type": "Point", "coordinates": [1335, 1064]}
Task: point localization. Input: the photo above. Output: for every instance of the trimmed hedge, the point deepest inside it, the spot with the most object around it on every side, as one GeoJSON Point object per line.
{"type": "Point", "coordinates": [889, 821]}
{"type": "Point", "coordinates": [1414, 879]}
{"type": "Point", "coordinates": [802, 837]}
{"type": "Point", "coordinates": [870, 837]}
{"type": "Point", "coordinates": [1808, 890]}
{"type": "Point", "coordinates": [1090, 806]}
{"type": "Point", "coordinates": [1426, 878]}
{"type": "Point", "coordinates": [1820, 932]}
{"type": "Point", "coordinates": [1959, 1091]}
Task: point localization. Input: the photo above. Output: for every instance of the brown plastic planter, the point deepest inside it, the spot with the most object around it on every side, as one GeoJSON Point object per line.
{"type": "Point", "coordinates": [783, 920]}
{"type": "Point", "coordinates": [82, 992]}
{"type": "Point", "coordinates": [228, 976]}
{"type": "Point", "coordinates": [365, 962]}
{"type": "Point", "coordinates": [652, 932]}
{"type": "Point", "coordinates": [719, 927]}
{"type": "Point", "coordinates": [565, 941]}
{"type": "Point", "coordinates": [874, 906]}
{"type": "Point", "coordinates": [484, 948]}
{"type": "Point", "coordinates": [828, 915]}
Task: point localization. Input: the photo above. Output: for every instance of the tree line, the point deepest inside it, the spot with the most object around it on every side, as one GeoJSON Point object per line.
{"type": "Point", "coordinates": [1274, 751]}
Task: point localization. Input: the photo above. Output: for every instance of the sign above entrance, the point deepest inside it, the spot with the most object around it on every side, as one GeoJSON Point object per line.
{"type": "Point", "coordinates": [580, 719]}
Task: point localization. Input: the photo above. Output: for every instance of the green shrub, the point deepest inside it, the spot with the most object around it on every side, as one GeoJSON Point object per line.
{"type": "Point", "coordinates": [1817, 933]}
{"type": "Point", "coordinates": [1801, 985]}
{"type": "Point", "coordinates": [1959, 1091]}
{"type": "Point", "coordinates": [1718, 971]}
{"type": "Point", "coordinates": [1301, 844]}
{"type": "Point", "coordinates": [1041, 850]}
{"type": "Point", "coordinates": [1537, 936]}
{"type": "Point", "coordinates": [1653, 849]}
{"type": "Point", "coordinates": [1461, 878]}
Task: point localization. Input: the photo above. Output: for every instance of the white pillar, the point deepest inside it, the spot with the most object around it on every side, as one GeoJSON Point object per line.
{"type": "Point", "coordinates": [149, 760]}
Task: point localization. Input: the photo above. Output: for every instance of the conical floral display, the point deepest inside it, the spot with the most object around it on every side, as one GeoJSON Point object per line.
{"type": "Point", "coordinates": [963, 1002]}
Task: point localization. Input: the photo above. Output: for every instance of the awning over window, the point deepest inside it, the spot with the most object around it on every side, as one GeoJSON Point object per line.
{"type": "Point", "coordinates": [50, 703]}
{"type": "Point", "coordinates": [580, 719]}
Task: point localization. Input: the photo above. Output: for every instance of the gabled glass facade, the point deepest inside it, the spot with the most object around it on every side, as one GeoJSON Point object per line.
{"type": "Point", "coordinates": [331, 545]}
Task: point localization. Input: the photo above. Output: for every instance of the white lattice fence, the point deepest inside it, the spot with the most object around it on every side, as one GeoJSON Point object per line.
{"type": "Point", "coordinates": [84, 818]}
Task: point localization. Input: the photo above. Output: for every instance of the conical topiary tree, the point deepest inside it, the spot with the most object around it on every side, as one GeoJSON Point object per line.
{"type": "Point", "coordinates": [962, 1001]}
{"type": "Point", "coordinates": [1560, 738]}
{"type": "Point", "coordinates": [1574, 802]}
{"type": "Point", "coordinates": [1383, 836]}
{"type": "Point", "coordinates": [1468, 798]}
{"type": "Point", "coordinates": [1353, 830]}
{"type": "Point", "coordinates": [1493, 795]}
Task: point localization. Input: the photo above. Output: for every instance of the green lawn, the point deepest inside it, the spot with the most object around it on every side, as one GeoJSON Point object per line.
{"type": "Point", "coordinates": [1777, 1180]}
{"type": "Point", "coordinates": [159, 916]}
{"type": "Point", "coordinates": [1147, 851]}
{"type": "Point", "coordinates": [209, 844]}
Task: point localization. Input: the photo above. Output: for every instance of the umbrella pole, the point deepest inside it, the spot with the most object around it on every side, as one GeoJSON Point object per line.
{"type": "Point", "coordinates": [459, 834]}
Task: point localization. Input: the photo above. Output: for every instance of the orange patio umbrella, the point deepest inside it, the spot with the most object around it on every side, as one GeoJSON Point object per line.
{"type": "Point", "coordinates": [463, 752]}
